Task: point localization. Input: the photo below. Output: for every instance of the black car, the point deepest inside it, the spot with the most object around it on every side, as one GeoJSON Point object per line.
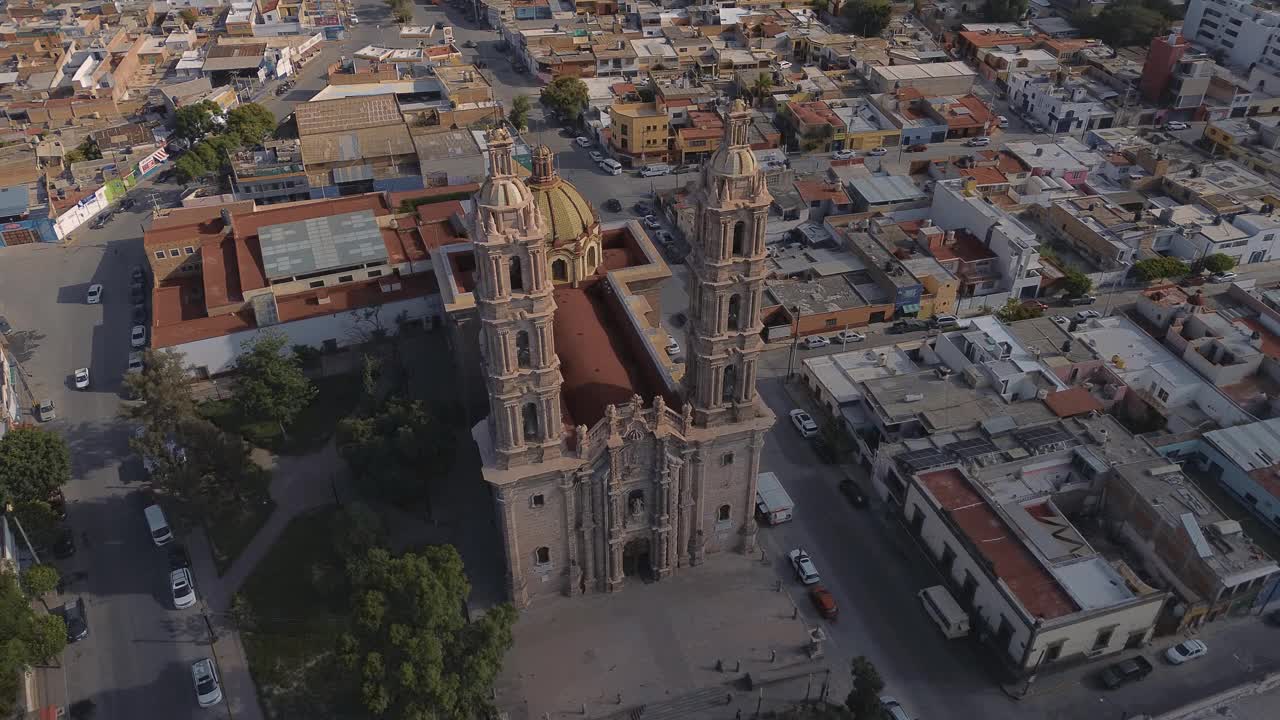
{"type": "Point", "coordinates": [127, 204]}
{"type": "Point", "coordinates": [1082, 300]}
{"type": "Point", "coordinates": [74, 616]}
{"type": "Point", "coordinates": [1125, 672]}
{"type": "Point", "coordinates": [613, 205]}
{"type": "Point", "coordinates": [469, 44]}
{"type": "Point", "coordinates": [65, 545]}
{"type": "Point", "coordinates": [850, 490]}
{"type": "Point", "coordinates": [139, 315]}
{"type": "Point", "coordinates": [101, 221]}
{"type": "Point", "coordinates": [439, 26]}
{"type": "Point", "coordinates": [136, 295]}
{"type": "Point", "coordinates": [642, 208]}
{"type": "Point", "coordinates": [178, 557]}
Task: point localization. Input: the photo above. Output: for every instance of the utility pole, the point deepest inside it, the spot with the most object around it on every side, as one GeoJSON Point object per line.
{"type": "Point", "coordinates": [795, 339]}
{"type": "Point", "coordinates": [8, 509]}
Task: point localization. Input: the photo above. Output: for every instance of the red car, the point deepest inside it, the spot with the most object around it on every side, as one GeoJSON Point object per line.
{"type": "Point", "coordinates": [824, 602]}
{"type": "Point", "coordinates": [917, 148]}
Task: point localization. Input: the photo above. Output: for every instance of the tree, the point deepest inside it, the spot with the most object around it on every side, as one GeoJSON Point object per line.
{"type": "Point", "coordinates": [40, 521]}
{"type": "Point", "coordinates": [868, 18]}
{"type": "Point", "coordinates": [1159, 268]}
{"type": "Point", "coordinates": [33, 464]}
{"type": "Point", "coordinates": [1122, 24]}
{"type": "Point", "coordinates": [821, 6]}
{"type": "Point", "coordinates": [87, 150]}
{"type": "Point", "coordinates": [1006, 10]}
{"type": "Point", "coordinates": [519, 115]}
{"type": "Point", "coordinates": [269, 382]}
{"type": "Point", "coordinates": [164, 389]}
{"type": "Point", "coordinates": [30, 638]}
{"type": "Point", "coordinates": [251, 123]}
{"type": "Point", "coordinates": [413, 653]}
{"type": "Point", "coordinates": [196, 120]}
{"type": "Point", "coordinates": [1014, 310]}
{"type": "Point", "coordinates": [566, 96]}
{"type": "Point", "coordinates": [390, 450]}
{"type": "Point", "coordinates": [761, 86]}
{"type": "Point", "coordinates": [189, 16]}
{"type": "Point", "coordinates": [1076, 283]}
{"type": "Point", "coordinates": [864, 698]}
{"type": "Point", "coordinates": [1219, 263]}
{"type": "Point", "coordinates": [190, 167]}
{"type": "Point", "coordinates": [40, 580]}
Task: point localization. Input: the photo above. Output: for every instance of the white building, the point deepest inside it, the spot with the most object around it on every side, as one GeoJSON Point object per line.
{"type": "Point", "coordinates": [9, 407]}
{"type": "Point", "coordinates": [1198, 232]}
{"type": "Point", "coordinates": [1066, 108]}
{"type": "Point", "coordinates": [1243, 32]}
{"type": "Point", "coordinates": [1015, 245]}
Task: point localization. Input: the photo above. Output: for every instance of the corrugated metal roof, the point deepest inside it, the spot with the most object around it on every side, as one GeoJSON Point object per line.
{"type": "Point", "coordinates": [333, 241]}
{"type": "Point", "coordinates": [886, 189]}
{"type": "Point", "coordinates": [14, 200]}
{"type": "Point", "coordinates": [1253, 446]}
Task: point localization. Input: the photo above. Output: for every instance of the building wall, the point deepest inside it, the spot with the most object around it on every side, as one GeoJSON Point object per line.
{"type": "Point", "coordinates": [1260, 501]}
{"type": "Point", "coordinates": [217, 355]}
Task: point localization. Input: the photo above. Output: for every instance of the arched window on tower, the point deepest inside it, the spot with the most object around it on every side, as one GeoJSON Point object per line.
{"type": "Point", "coordinates": [560, 270]}
{"type": "Point", "coordinates": [739, 238]}
{"type": "Point", "coordinates": [529, 416]}
{"type": "Point", "coordinates": [735, 312]}
{"type": "Point", "coordinates": [517, 277]}
{"type": "Point", "coordinates": [523, 358]}
{"type": "Point", "coordinates": [593, 259]}
{"type": "Point", "coordinates": [729, 387]}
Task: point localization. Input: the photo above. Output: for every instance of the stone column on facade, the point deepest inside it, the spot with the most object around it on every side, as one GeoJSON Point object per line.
{"type": "Point", "coordinates": [590, 524]}
{"type": "Point", "coordinates": [667, 508]}
{"type": "Point", "coordinates": [698, 538]}
{"type": "Point", "coordinates": [614, 520]}
{"type": "Point", "coordinates": [516, 588]}
{"type": "Point", "coordinates": [573, 571]}
{"type": "Point", "coordinates": [750, 526]}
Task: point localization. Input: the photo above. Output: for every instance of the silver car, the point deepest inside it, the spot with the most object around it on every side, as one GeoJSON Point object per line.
{"type": "Point", "coordinates": [205, 676]}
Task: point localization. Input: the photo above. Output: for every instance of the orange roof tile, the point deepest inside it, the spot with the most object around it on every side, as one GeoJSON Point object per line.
{"type": "Point", "coordinates": [1075, 401]}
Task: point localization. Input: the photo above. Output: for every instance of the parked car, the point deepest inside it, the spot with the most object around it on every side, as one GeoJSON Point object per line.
{"type": "Point", "coordinates": [1124, 672]}
{"type": "Point", "coordinates": [1087, 314]}
{"type": "Point", "coordinates": [642, 208]}
{"type": "Point", "coordinates": [824, 602]}
{"type": "Point", "coordinates": [806, 571]}
{"type": "Point", "coordinates": [1082, 300]}
{"type": "Point", "coordinates": [1037, 128]}
{"type": "Point", "coordinates": [1223, 277]}
{"type": "Point", "coordinates": [652, 222]}
{"type": "Point", "coordinates": [596, 156]}
{"type": "Point", "coordinates": [944, 321]}
{"type": "Point", "coordinates": [877, 152]}
{"type": "Point", "coordinates": [138, 315]}
{"type": "Point", "coordinates": [582, 141]}
{"type": "Point", "coordinates": [1174, 126]}
{"type": "Point", "coordinates": [1036, 304]}
{"type": "Point", "coordinates": [980, 141]}
{"type": "Point", "coordinates": [184, 591]}
{"type": "Point", "coordinates": [64, 546]}
{"type": "Point", "coordinates": [135, 362]}
{"type": "Point", "coordinates": [136, 273]}
{"type": "Point", "coordinates": [178, 557]}
{"type": "Point", "coordinates": [138, 336]}
{"type": "Point", "coordinates": [804, 423]}
{"type": "Point", "coordinates": [205, 676]}
{"type": "Point", "coordinates": [45, 410]}
{"type": "Point", "coordinates": [892, 709]}
{"type": "Point", "coordinates": [813, 342]}
{"type": "Point", "coordinates": [673, 347]}
{"type": "Point", "coordinates": [657, 170]}
{"type": "Point", "coordinates": [1062, 319]}
{"type": "Point", "coordinates": [1185, 651]}
{"type": "Point", "coordinates": [137, 295]}
{"type": "Point", "coordinates": [918, 147]}
{"type": "Point", "coordinates": [847, 336]}
{"type": "Point", "coordinates": [82, 378]}
{"type": "Point", "coordinates": [843, 155]}
{"type": "Point", "coordinates": [469, 44]}
{"type": "Point", "coordinates": [852, 493]}
{"type": "Point", "coordinates": [610, 166]}
{"type": "Point", "coordinates": [94, 296]}
{"type": "Point", "coordinates": [1002, 122]}
{"type": "Point", "coordinates": [613, 205]}
{"type": "Point", "coordinates": [77, 622]}
{"type": "Point", "coordinates": [101, 221]}
{"type": "Point", "coordinates": [908, 325]}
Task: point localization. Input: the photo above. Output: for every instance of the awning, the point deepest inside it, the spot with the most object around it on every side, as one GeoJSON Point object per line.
{"type": "Point", "coordinates": [912, 308]}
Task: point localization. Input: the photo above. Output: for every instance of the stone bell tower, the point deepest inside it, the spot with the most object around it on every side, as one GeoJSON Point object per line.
{"type": "Point", "coordinates": [727, 266]}
{"type": "Point", "coordinates": [516, 310]}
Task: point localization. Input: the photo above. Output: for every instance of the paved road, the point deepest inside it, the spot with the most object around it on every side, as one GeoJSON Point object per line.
{"type": "Point", "coordinates": [136, 661]}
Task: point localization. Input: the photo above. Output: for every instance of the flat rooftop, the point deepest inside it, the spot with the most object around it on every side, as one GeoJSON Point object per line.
{"type": "Point", "coordinates": [946, 403]}
{"type": "Point", "coordinates": [822, 295]}
{"type": "Point", "coordinates": [840, 373]}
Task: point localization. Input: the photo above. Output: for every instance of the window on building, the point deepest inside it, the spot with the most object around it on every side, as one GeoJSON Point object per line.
{"type": "Point", "coordinates": [726, 459]}
{"type": "Point", "coordinates": [174, 252]}
{"type": "Point", "coordinates": [189, 250]}
{"type": "Point", "coordinates": [722, 513]}
{"type": "Point", "coordinates": [1054, 651]}
{"type": "Point", "coordinates": [830, 322]}
{"type": "Point", "coordinates": [523, 357]}
{"type": "Point", "coordinates": [728, 389]}
{"type": "Point", "coordinates": [560, 271]}
{"type": "Point", "coordinates": [537, 500]}
{"type": "Point", "coordinates": [1163, 394]}
{"type": "Point", "coordinates": [375, 273]}
{"type": "Point", "coordinates": [739, 238]}
{"type": "Point", "coordinates": [530, 425]}
{"type": "Point", "coordinates": [159, 254]}
{"type": "Point", "coordinates": [316, 284]}
{"type": "Point", "coordinates": [346, 278]}
{"type": "Point", "coordinates": [1104, 638]}
{"type": "Point", "coordinates": [542, 556]}
{"type": "Point", "coordinates": [735, 311]}
{"type": "Point", "coordinates": [516, 276]}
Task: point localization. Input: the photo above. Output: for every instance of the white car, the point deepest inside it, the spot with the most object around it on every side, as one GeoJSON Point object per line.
{"type": "Point", "coordinates": [1186, 650]}
{"type": "Point", "coordinates": [1087, 314]}
{"type": "Point", "coordinates": [82, 378]}
{"type": "Point", "coordinates": [45, 410]}
{"type": "Point", "coordinates": [806, 571]}
{"type": "Point", "coordinates": [138, 336]}
{"type": "Point", "coordinates": [651, 222]}
{"type": "Point", "coordinates": [847, 336]}
{"type": "Point", "coordinates": [95, 294]}
{"type": "Point", "coordinates": [673, 347]}
{"type": "Point", "coordinates": [184, 592]}
{"type": "Point", "coordinates": [804, 423]}
{"type": "Point", "coordinates": [1222, 277]}
{"type": "Point", "coordinates": [981, 141]}
{"type": "Point", "coordinates": [1061, 319]}
{"type": "Point", "coordinates": [582, 141]}
{"type": "Point", "coordinates": [596, 156]}
{"type": "Point", "coordinates": [843, 155]}
{"type": "Point", "coordinates": [893, 709]}
{"type": "Point", "coordinates": [877, 152]}
{"type": "Point", "coordinates": [1175, 125]}
{"type": "Point", "coordinates": [135, 362]}
{"type": "Point", "coordinates": [814, 342]}
{"type": "Point", "coordinates": [1002, 121]}
{"type": "Point", "coordinates": [205, 676]}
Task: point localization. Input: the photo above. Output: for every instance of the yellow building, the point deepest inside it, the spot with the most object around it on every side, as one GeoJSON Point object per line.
{"type": "Point", "coordinates": [639, 133]}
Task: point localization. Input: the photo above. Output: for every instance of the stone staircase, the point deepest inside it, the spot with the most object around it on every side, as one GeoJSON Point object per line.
{"type": "Point", "coordinates": [687, 706]}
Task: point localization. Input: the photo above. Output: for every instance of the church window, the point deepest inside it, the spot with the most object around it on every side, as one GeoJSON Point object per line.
{"type": "Point", "coordinates": [593, 258]}
{"type": "Point", "coordinates": [739, 238]}
{"type": "Point", "coordinates": [722, 514]}
{"type": "Point", "coordinates": [542, 556]}
{"type": "Point", "coordinates": [735, 311]}
{"type": "Point", "coordinates": [726, 459]}
{"type": "Point", "coordinates": [729, 386]}
{"type": "Point", "coordinates": [530, 417]}
{"type": "Point", "coordinates": [517, 277]}
{"type": "Point", "coordinates": [537, 501]}
{"type": "Point", "coordinates": [560, 271]}
{"type": "Point", "coordinates": [523, 357]}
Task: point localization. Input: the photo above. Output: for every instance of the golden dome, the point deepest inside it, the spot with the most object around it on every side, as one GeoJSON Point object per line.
{"type": "Point", "coordinates": [568, 215]}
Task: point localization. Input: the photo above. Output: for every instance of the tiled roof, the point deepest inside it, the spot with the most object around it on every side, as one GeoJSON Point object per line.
{"type": "Point", "coordinates": [1075, 401]}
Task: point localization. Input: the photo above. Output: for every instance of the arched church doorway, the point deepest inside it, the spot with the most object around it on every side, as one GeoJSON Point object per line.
{"type": "Point", "coordinates": [636, 559]}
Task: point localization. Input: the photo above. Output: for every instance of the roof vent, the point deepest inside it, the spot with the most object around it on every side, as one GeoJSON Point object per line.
{"type": "Point", "coordinates": [913, 397]}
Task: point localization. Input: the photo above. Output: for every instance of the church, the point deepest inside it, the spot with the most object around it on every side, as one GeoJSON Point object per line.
{"type": "Point", "coordinates": [609, 461]}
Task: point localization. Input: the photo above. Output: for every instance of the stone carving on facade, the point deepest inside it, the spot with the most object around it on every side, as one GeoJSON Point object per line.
{"type": "Point", "coordinates": [636, 508]}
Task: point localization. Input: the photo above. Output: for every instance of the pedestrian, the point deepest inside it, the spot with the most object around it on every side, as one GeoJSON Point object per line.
{"type": "Point", "coordinates": [738, 715]}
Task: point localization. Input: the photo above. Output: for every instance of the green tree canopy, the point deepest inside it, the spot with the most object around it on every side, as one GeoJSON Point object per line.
{"type": "Point", "coordinates": [40, 580]}
{"type": "Point", "coordinates": [194, 121]}
{"type": "Point", "coordinates": [1014, 310]}
{"type": "Point", "coordinates": [566, 95]}
{"type": "Point", "coordinates": [413, 653]}
{"type": "Point", "coordinates": [269, 382]}
{"type": "Point", "coordinates": [1124, 23]}
{"type": "Point", "coordinates": [1218, 263]}
{"type": "Point", "coordinates": [87, 150]}
{"type": "Point", "coordinates": [864, 698]}
{"type": "Point", "coordinates": [33, 464]}
{"type": "Point", "coordinates": [1076, 283]}
{"type": "Point", "coordinates": [391, 450]}
{"type": "Point", "coordinates": [189, 16]}
{"type": "Point", "coordinates": [30, 638]}
{"type": "Point", "coordinates": [251, 123]}
{"type": "Point", "coordinates": [867, 18]}
{"type": "Point", "coordinates": [1006, 10]}
{"type": "Point", "coordinates": [40, 521]}
{"type": "Point", "coordinates": [164, 389]}
{"type": "Point", "coordinates": [1159, 268]}
{"type": "Point", "coordinates": [519, 115]}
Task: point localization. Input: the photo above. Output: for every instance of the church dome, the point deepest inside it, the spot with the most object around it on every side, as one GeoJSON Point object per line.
{"type": "Point", "coordinates": [504, 192]}
{"type": "Point", "coordinates": [568, 215]}
{"type": "Point", "coordinates": [734, 157]}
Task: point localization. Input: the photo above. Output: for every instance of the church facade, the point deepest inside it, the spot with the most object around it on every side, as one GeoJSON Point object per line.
{"type": "Point", "coordinates": [607, 460]}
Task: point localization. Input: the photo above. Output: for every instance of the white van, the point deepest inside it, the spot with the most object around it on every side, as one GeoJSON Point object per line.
{"type": "Point", "coordinates": [655, 170]}
{"type": "Point", "coordinates": [772, 501]}
{"type": "Point", "coordinates": [611, 166]}
{"type": "Point", "coordinates": [161, 535]}
{"type": "Point", "coordinates": [950, 618]}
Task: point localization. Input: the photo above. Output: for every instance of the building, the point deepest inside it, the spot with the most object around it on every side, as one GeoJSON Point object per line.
{"type": "Point", "coordinates": [1015, 246]}
{"type": "Point", "coordinates": [1061, 105]}
{"type": "Point", "coordinates": [639, 133]}
{"type": "Point", "coordinates": [1242, 32]}
{"type": "Point", "coordinates": [10, 405]}
{"type": "Point", "coordinates": [273, 174]}
{"type": "Point", "coordinates": [595, 484]}
{"type": "Point", "coordinates": [1162, 58]}
{"type": "Point", "coordinates": [1103, 232]}
{"type": "Point", "coordinates": [356, 144]}
{"type": "Point", "coordinates": [931, 79]}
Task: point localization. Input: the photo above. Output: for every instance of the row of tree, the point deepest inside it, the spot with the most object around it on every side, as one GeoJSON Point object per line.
{"type": "Point", "coordinates": [214, 136]}
{"type": "Point", "coordinates": [401, 10]}
{"type": "Point", "coordinates": [1128, 22]}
